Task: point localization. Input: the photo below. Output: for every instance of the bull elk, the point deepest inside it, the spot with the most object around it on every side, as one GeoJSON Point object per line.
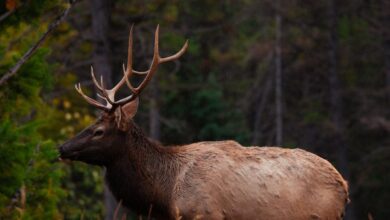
{"type": "Point", "coordinates": [208, 180]}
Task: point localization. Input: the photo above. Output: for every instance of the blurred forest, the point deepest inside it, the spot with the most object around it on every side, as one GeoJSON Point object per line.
{"type": "Point", "coordinates": [307, 74]}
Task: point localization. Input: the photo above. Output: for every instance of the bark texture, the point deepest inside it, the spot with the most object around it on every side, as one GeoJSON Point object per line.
{"type": "Point", "coordinates": [102, 67]}
{"type": "Point", "coordinates": [154, 113]}
{"type": "Point", "coordinates": [336, 107]}
{"type": "Point", "coordinates": [278, 79]}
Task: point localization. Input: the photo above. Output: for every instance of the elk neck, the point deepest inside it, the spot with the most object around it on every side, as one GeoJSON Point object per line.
{"type": "Point", "coordinates": [145, 174]}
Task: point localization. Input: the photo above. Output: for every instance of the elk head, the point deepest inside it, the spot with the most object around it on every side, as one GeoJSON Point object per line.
{"type": "Point", "coordinates": [104, 140]}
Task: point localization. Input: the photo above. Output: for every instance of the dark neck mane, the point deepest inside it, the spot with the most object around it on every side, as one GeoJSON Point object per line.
{"type": "Point", "coordinates": [144, 175]}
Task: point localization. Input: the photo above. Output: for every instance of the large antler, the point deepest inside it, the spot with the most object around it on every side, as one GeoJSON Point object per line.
{"type": "Point", "coordinates": [109, 94]}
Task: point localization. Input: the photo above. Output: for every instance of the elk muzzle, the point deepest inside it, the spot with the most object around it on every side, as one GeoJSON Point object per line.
{"type": "Point", "coordinates": [67, 151]}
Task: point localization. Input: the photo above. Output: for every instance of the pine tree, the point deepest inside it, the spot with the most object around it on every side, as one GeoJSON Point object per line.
{"type": "Point", "coordinates": [30, 179]}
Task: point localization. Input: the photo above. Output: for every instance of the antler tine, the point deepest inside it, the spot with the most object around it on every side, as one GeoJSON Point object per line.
{"type": "Point", "coordinates": [134, 71]}
{"type": "Point", "coordinates": [154, 64]}
{"type": "Point", "coordinates": [166, 59]}
{"type": "Point", "coordinates": [101, 88]}
{"type": "Point", "coordinates": [90, 100]}
{"type": "Point", "coordinates": [130, 53]}
{"type": "Point", "coordinates": [101, 96]}
{"type": "Point", "coordinates": [109, 94]}
{"type": "Point", "coordinates": [130, 97]}
{"type": "Point", "coordinates": [149, 73]}
{"type": "Point", "coordinates": [94, 80]}
{"type": "Point", "coordinates": [129, 62]}
{"type": "Point", "coordinates": [129, 70]}
{"type": "Point", "coordinates": [123, 68]}
{"type": "Point", "coordinates": [127, 80]}
{"type": "Point", "coordinates": [176, 55]}
{"type": "Point", "coordinates": [140, 72]}
{"type": "Point", "coordinates": [158, 60]}
{"type": "Point", "coordinates": [153, 67]}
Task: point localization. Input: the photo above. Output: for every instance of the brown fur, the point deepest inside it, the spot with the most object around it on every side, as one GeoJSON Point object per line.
{"type": "Point", "coordinates": [211, 180]}
{"type": "Point", "coordinates": [208, 180]}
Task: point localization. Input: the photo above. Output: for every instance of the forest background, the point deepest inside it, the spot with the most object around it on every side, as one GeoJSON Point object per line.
{"type": "Point", "coordinates": [308, 74]}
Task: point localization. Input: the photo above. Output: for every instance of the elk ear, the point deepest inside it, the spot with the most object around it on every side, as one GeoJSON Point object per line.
{"type": "Point", "coordinates": [124, 113]}
{"type": "Point", "coordinates": [130, 109]}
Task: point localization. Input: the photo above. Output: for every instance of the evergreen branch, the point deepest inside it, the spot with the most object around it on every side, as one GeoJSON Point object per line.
{"type": "Point", "coordinates": [20, 194]}
{"type": "Point", "coordinates": [12, 72]}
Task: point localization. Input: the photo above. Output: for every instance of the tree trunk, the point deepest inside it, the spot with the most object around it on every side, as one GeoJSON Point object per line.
{"type": "Point", "coordinates": [386, 42]}
{"type": "Point", "coordinates": [154, 113]}
{"type": "Point", "coordinates": [260, 107]}
{"type": "Point", "coordinates": [335, 90]}
{"type": "Point", "coordinates": [278, 77]}
{"type": "Point", "coordinates": [336, 107]}
{"type": "Point", "coordinates": [386, 47]}
{"type": "Point", "coordinates": [100, 27]}
{"type": "Point", "coordinates": [102, 67]}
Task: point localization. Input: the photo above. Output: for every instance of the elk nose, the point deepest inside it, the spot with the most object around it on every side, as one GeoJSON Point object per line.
{"type": "Point", "coordinates": [62, 149]}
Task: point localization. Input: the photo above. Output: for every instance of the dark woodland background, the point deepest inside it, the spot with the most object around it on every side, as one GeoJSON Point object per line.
{"type": "Point", "coordinates": [299, 73]}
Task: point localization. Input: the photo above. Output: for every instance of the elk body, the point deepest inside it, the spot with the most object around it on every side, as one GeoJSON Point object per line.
{"type": "Point", "coordinates": [206, 180]}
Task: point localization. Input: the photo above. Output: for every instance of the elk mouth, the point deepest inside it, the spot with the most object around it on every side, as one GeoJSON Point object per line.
{"type": "Point", "coordinates": [68, 153]}
{"type": "Point", "coordinates": [83, 155]}
{"type": "Point", "coordinates": [73, 155]}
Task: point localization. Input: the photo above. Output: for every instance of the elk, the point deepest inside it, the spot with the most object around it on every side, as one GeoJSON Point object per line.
{"type": "Point", "coordinates": [205, 180]}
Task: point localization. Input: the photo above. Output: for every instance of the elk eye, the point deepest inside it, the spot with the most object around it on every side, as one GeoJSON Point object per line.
{"type": "Point", "coordinates": [98, 132]}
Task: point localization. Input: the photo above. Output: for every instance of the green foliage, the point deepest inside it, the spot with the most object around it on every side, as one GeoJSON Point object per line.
{"type": "Point", "coordinates": [84, 185]}
{"type": "Point", "coordinates": [212, 118]}
{"type": "Point", "coordinates": [206, 115]}
{"type": "Point", "coordinates": [29, 174]}
{"type": "Point", "coordinates": [30, 178]}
